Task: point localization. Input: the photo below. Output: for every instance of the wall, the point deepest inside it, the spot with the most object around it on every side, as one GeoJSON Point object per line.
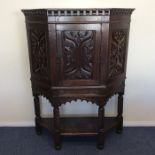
{"type": "Point", "coordinates": [16, 103]}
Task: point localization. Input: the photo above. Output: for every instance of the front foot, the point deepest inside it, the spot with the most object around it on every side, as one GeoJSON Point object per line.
{"type": "Point", "coordinates": [119, 131]}
{"type": "Point", "coordinates": [38, 129]}
{"type": "Point", "coordinates": [119, 128]}
{"type": "Point", "coordinates": [100, 140]}
{"type": "Point", "coordinates": [57, 147]}
{"type": "Point", "coordinates": [100, 146]}
{"type": "Point", "coordinates": [57, 140]}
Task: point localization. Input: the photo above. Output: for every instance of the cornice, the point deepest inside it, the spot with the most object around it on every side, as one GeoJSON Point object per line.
{"type": "Point", "coordinates": [78, 12]}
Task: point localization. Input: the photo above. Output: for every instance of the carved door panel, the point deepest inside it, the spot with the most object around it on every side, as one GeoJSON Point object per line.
{"type": "Point", "coordinates": [78, 53]}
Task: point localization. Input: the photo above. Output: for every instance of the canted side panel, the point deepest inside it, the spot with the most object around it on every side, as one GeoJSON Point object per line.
{"type": "Point", "coordinates": [117, 52]}
{"type": "Point", "coordinates": [38, 51]}
{"type": "Point", "coordinates": [78, 50]}
{"type": "Point", "coordinates": [117, 48]}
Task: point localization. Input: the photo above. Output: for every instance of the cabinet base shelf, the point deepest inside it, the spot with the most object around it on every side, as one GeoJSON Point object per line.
{"type": "Point", "coordinates": [73, 126]}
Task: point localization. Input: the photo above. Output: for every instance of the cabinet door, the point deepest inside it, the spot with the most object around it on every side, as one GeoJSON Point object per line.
{"type": "Point", "coordinates": [78, 52]}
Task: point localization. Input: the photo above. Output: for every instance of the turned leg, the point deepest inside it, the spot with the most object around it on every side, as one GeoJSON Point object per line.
{"type": "Point", "coordinates": [100, 136]}
{"type": "Point", "coordinates": [56, 134]}
{"type": "Point", "coordinates": [119, 116]}
{"type": "Point", "coordinates": [38, 128]}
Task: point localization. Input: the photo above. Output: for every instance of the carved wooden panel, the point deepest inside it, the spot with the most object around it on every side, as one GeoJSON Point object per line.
{"type": "Point", "coordinates": [38, 52]}
{"type": "Point", "coordinates": [117, 52]}
{"type": "Point", "coordinates": [78, 46]}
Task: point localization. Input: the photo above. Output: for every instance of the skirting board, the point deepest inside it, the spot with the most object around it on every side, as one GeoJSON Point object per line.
{"type": "Point", "coordinates": [31, 124]}
{"type": "Point", "coordinates": [138, 123]}
{"type": "Point", "coordinates": [17, 124]}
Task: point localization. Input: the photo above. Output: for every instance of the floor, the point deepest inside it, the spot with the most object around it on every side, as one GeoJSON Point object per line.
{"type": "Point", "coordinates": [24, 141]}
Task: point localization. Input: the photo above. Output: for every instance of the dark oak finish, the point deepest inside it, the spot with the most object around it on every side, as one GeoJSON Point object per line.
{"type": "Point", "coordinates": [78, 54]}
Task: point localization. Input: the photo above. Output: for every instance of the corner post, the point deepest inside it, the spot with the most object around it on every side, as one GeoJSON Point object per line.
{"type": "Point", "coordinates": [100, 136]}
{"type": "Point", "coordinates": [38, 127]}
{"type": "Point", "coordinates": [120, 111]}
{"type": "Point", "coordinates": [56, 134]}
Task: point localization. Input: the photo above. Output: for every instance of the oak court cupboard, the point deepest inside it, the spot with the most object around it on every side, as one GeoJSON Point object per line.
{"type": "Point", "coordinates": [78, 54]}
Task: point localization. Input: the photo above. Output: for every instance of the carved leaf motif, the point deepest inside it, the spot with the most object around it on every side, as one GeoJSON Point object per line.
{"type": "Point", "coordinates": [78, 50]}
{"type": "Point", "coordinates": [38, 51]}
{"type": "Point", "coordinates": [117, 52]}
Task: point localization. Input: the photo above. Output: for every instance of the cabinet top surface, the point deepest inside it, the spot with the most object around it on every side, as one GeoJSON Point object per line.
{"type": "Point", "coordinates": [78, 11]}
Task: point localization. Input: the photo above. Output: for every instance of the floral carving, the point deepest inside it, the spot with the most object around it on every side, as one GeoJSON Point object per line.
{"type": "Point", "coordinates": [38, 51]}
{"type": "Point", "coordinates": [117, 53]}
{"type": "Point", "coordinates": [78, 49]}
